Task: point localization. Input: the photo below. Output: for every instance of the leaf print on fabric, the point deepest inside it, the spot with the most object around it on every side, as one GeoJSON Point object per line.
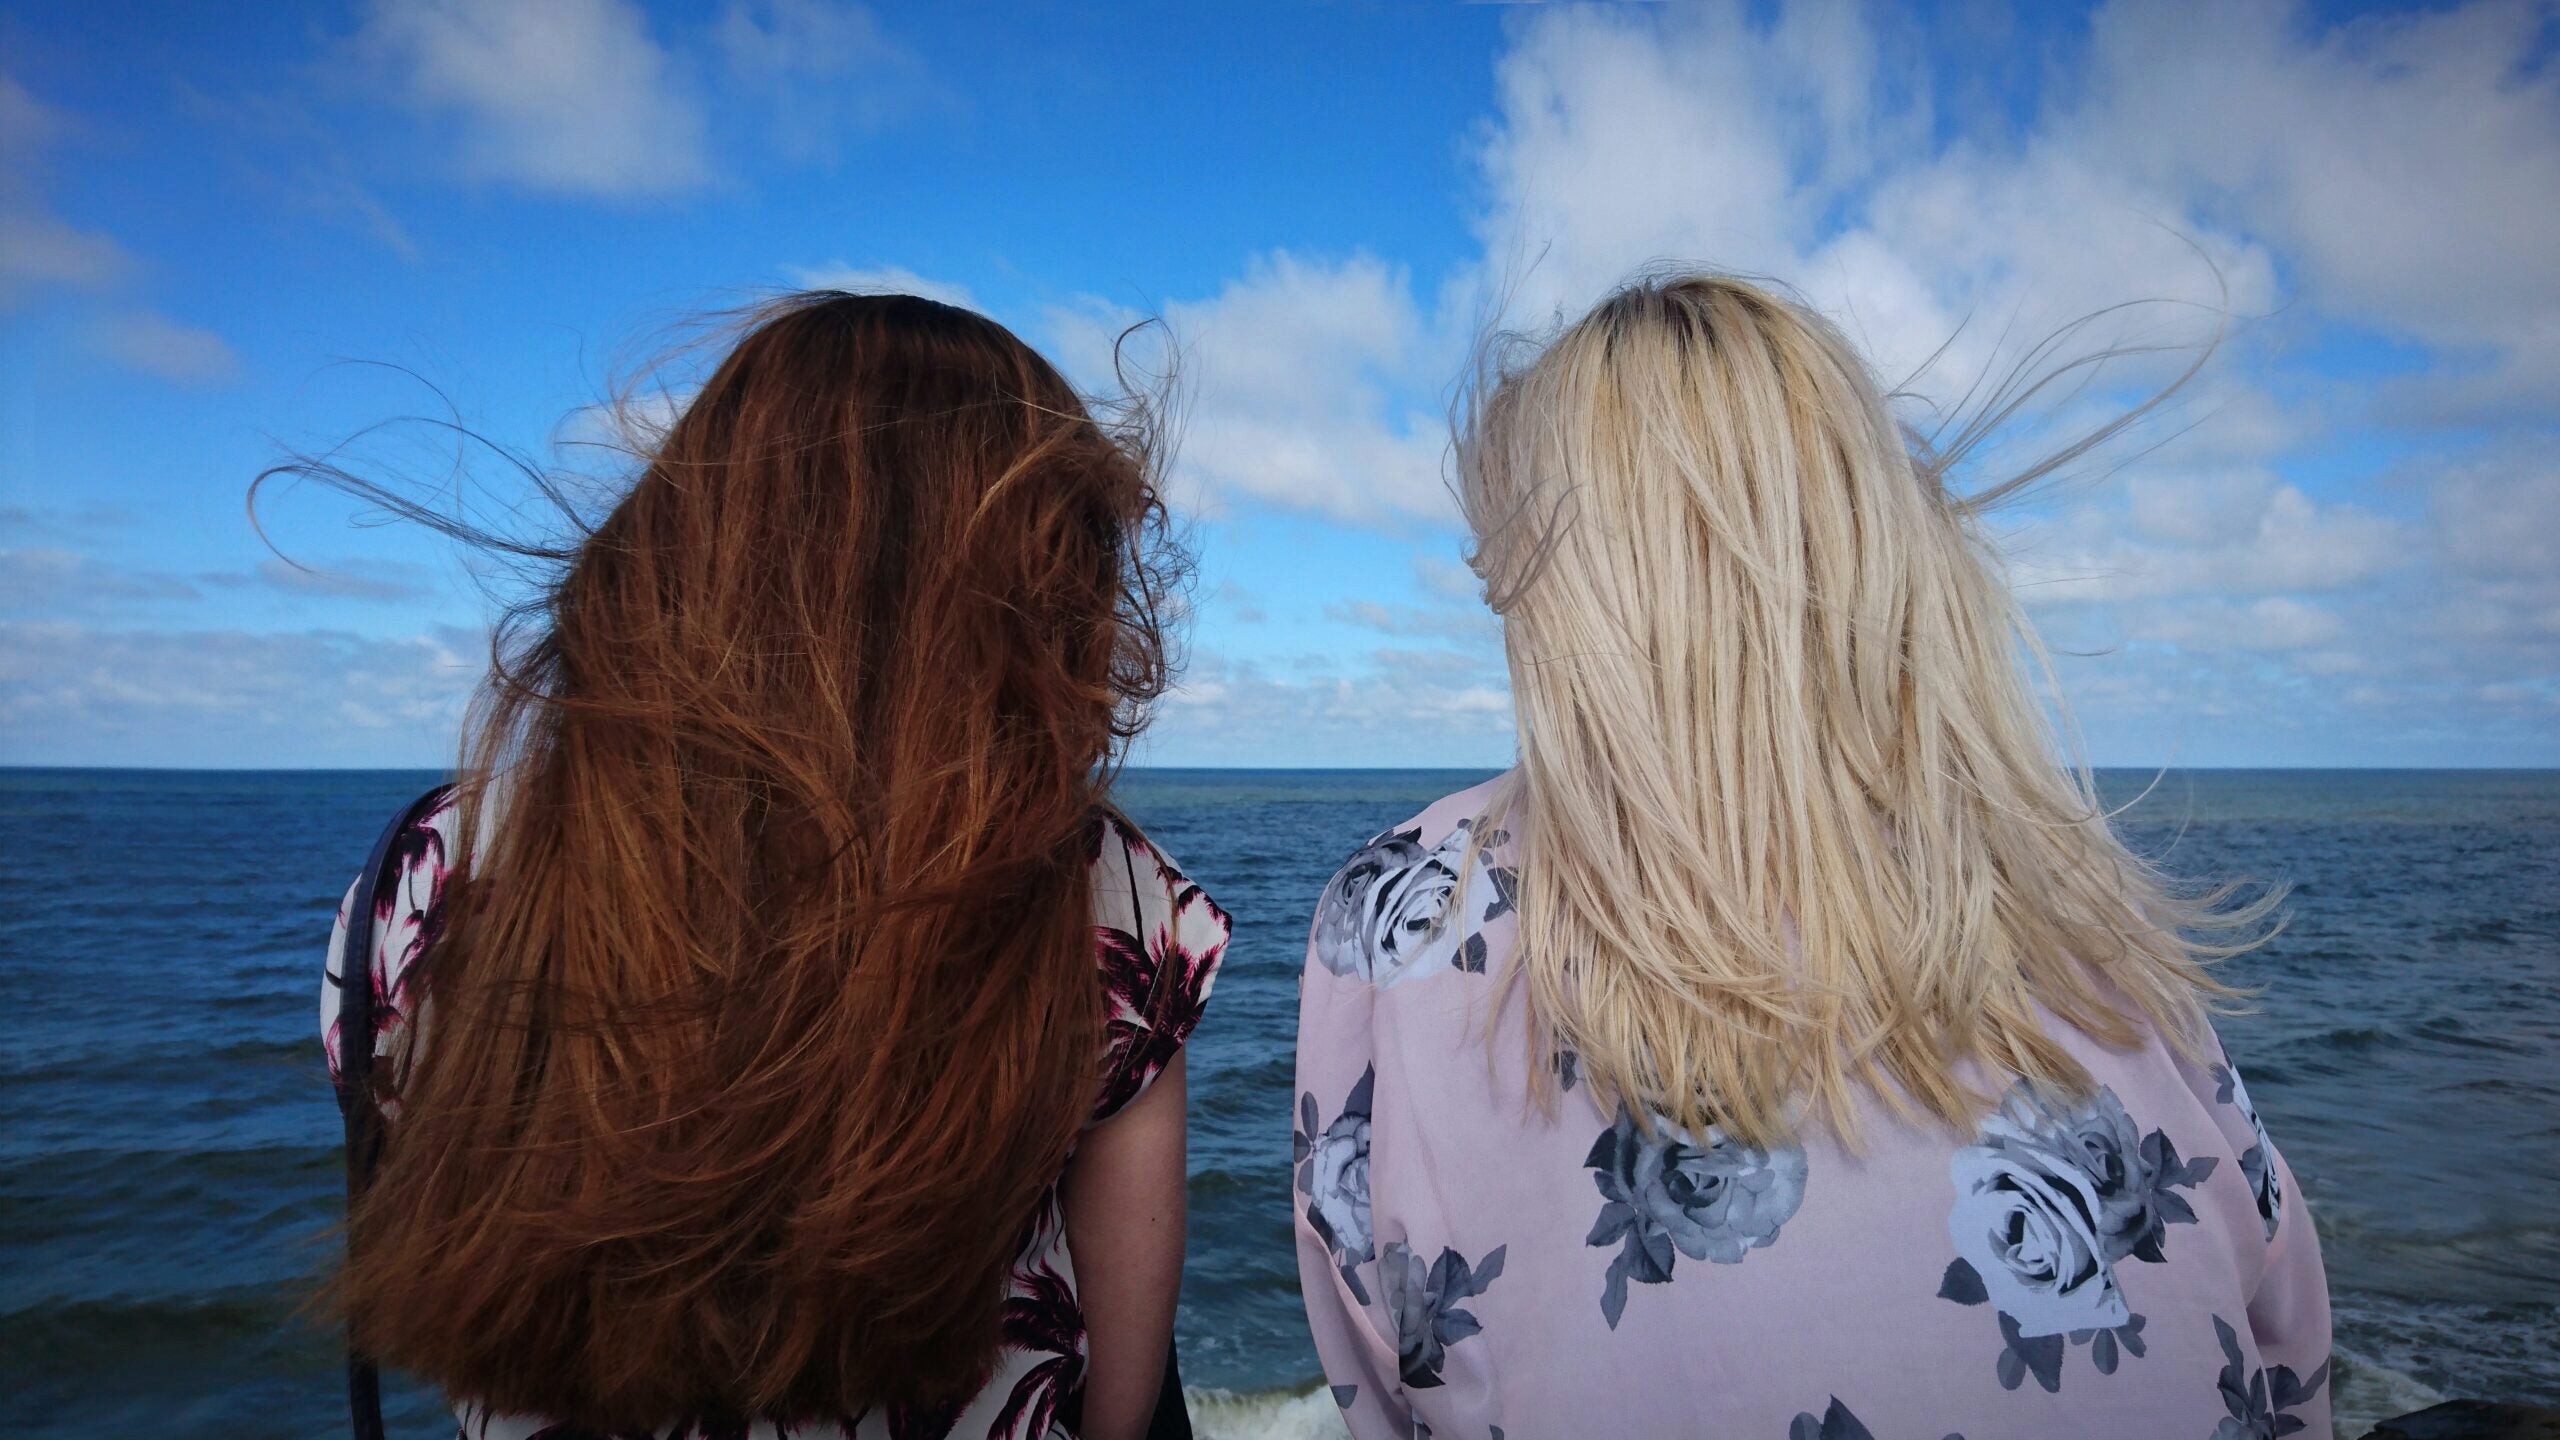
{"type": "Point", "coordinates": [1333, 1173]}
{"type": "Point", "coordinates": [1041, 1317]}
{"type": "Point", "coordinates": [2047, 1202]}
{"type": "Point", "coordinates": [1155, 988]}
{"type": "Point", "coordinates": [408, 919]}
{"type": "Point", "coordinates": [2257, 1163]}
{"type": "Point", "coordinates": [1422, 1302]}
{"type": "Point", "coordinates": [2260, 1400]}
{"type": "Point", "coordinates": [1836, 1423]}
{"type": "Point", "coordinates": [1666, 1194]}
{"type": "Point", "coordinates": [1396, 911]}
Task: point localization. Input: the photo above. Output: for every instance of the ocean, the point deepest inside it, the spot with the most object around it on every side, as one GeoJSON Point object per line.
{"type": "Point", "coordinates": [168, 1146]}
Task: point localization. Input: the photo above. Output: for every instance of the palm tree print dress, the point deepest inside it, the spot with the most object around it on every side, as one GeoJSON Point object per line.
{"type": "Point", "coordinates": [1158, 942]}
{"type": "Point", "coordinates": [2131, 1264]}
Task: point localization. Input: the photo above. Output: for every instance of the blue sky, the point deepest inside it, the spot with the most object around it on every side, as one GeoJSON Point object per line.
{"type": "Point", "coordinates": [2342, 546]}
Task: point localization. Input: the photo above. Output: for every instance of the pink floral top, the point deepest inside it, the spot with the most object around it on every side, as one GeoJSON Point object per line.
{"type": "Point", "coordinates": [2132, 1265]}
{"type": "Point", "coordinates": [1158, 942]}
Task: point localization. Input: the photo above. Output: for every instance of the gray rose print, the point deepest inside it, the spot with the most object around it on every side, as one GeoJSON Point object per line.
{"type": "Point", "coordinates": [1836, 1423]}
{"type": "Point", "coordinates": [2257, 1163]}
{"type": "Point", "coordinates": [1422, 1301]}
{"type": "Point", "coordinates": [1333, 1173]}
{"type": "Point", "coordinates": [2131, 1174]}
{"type": "Point", "coordinates": [2260, 1399]}
{"type": "Point", "coordinates": [1396, 911]}
{"type": "Point", "coordinates": [1667, 1194]}
{"type": "Point", "coordinates": [2047, 1202]}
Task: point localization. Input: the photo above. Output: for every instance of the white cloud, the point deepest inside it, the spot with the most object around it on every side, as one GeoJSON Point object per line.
{"type": "Point", "coordinates": [2498, 517]}
{"type": "Point", "coordinates": [2231, 534]}
{"type": "Point", "coordinates": [1293, 380]}
{"type": "Point", "coordinates": [2399, 177]}
{"type": "Point", "coordinates": [2407, 165]}
{"type": "Point", "coordinates": [156, 345]}
{"type": "Point", "coordinates": [1395, 708]}
{"type": "Point", "coordinates": [879, 280]}
{"type": "Point", "coordinates": [2275, 623]}
{"type": "Point", "coordinates": [77, 694]}
{"type": "Point", "coordinates": [1781, 148]}
{"type": "Point", "coordinates": [569, 96]}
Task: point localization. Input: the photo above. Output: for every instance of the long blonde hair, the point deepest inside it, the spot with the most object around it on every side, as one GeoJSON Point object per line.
{"type": "Point", "coordinates": [1794, 824]}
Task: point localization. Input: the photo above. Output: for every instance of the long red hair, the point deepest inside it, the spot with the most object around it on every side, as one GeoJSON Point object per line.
{"type": "Point", "coordinates": [766, 1010]}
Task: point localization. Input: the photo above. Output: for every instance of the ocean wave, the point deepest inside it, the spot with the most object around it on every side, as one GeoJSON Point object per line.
{"type": "Point", "coordinates": [2489, 1351]}
{"type": "Point", "coordinates": [2365, 1392]}
{"type": "Point", "coordinates": [1265, 1415]}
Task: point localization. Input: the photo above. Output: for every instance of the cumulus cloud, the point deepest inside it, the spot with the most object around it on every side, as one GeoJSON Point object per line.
{"type": "Point", "coordinates": [2408, 166]}
{"type": "Point", "coordinates": [2390, 180]}
{"type": "Point", "coordinates": [1301, 383]}
{"type": "Point", "coordinates": [573, 97]}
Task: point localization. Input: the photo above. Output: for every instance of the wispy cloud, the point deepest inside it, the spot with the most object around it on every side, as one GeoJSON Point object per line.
{"type": "Point", "coordinates": [817, 70]}
{"type": "Point", "coordinates": [154, 344]}
{"type": "Point", "coordinates": [573, 97]}
{"type": "Point", "coordinates": [38, 248]}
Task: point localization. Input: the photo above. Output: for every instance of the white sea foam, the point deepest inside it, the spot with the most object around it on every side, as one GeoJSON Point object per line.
{"type": "Point", "coordinates": [2369, 1392]}
{"type": "Point", "coordinates": [1265, 1415]}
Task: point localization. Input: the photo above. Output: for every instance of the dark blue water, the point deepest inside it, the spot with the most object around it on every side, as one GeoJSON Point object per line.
{"type": "Point", "coordinates": [168, 1155]}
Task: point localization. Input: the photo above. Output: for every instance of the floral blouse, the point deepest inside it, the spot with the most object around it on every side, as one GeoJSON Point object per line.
{"type": "Point", "coordinates": [2133, 1266]}
{"type": "Point", "coordinates": [1158, 940]}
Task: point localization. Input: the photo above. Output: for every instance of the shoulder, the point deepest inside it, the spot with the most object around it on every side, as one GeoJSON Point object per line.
{"type": "Point", "coordinates": [1137, 886]}
{"type": "Point", "coordinates": [1418, 898]}
{"type": "Point", "coordinates": [1159, 941]}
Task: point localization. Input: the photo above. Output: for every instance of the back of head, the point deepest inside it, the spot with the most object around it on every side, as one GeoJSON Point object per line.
{"type": "Point", "coordinates": [1796, 825]}
{"type": "Point", "coordinates": [767, 1010]}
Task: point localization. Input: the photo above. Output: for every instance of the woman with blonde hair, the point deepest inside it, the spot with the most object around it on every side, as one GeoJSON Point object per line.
{"type": "Point", "coordinates": [1786, 1047]}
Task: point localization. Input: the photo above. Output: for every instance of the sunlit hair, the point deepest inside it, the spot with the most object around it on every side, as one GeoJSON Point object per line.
{"type": "Point", "coordinates": [768, 1010]}
{"type": "Point", "coordinates": [1794, 825]}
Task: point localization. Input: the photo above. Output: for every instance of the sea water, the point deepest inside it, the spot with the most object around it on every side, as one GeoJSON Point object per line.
{"type": "Point", "coordinates": [168, 1145]}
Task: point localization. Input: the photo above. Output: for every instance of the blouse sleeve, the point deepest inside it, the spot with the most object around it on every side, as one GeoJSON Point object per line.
{"type": "Point", "coordinates": [1336, 1237]}
{"type": "Point", "coordinates": [411, 919]}
{"type": "Point", "coordinates": [2289, 1313]}
{"type": "Point", "coordinates": [1159, 940]}
{"type": "Point", "coordinates": [331, 980]}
